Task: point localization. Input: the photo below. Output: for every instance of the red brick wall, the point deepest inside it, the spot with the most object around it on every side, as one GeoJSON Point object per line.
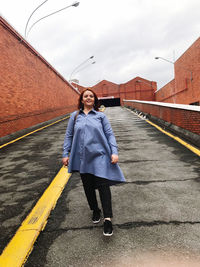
{"type": "Point", "coordinates": [31, 90]}
{"type": "Point", "coordinates": [189, 61]}
{"type": "Point", "coordinates": [79, 87]}
{"type": "Point", "coordinates": [183, 90]}
{"type": "Point", "coordinates": [186, 119]}
{"type": "Point", "coordinates": [138, 89]}
{"type": "Point", "coordinates": [166, 93]}
{"type": "Point", "coordinates": [106, 88]}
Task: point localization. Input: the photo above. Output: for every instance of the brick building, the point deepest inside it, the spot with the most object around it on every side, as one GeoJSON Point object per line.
{"type": "Point", "coordinates": [185, 87]}
{"type": "Point", "coordinates": [137, 88]}
{"type": "Point", "coordinates": [32, 91]}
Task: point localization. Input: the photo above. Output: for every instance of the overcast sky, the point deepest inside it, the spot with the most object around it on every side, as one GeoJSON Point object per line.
{"type": "Point", "coordinates": [124, 36]}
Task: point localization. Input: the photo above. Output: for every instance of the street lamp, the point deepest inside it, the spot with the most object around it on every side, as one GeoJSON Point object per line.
{"type": "Point", "coordinates": [81, 70]}
{"type": "Point", "coordinates": [164, 59]}
{"type": "Point", "coordinates": [77, 68]}
{"type": "Point", "coordinates": [85, 67]}
{"type": "Point", "coordinates": [191, 78]}
{"type": "Point", "coordinates": [32, 15]}
{"type": "Point", "coordinates": [74, 4]}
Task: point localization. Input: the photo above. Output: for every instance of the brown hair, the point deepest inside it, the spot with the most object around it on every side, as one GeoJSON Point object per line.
{"type": "Point", "coordinates": [96, 101]}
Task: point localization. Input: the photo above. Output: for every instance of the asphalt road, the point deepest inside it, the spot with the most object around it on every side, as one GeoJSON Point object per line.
{"type": "Point", "coordinates": [156, 213]}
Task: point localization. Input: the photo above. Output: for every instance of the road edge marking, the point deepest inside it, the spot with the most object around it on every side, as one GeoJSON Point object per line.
{"type": "Point", "coordinates": [178, 139]}
{"type": "Point", "coordinates": [39, 129]}
{"type": "Point", "coordinates": [20, 246]}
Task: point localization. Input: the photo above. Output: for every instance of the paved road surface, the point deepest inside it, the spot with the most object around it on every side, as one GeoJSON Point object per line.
{"type": "Point", "coordinates": [156, 213]}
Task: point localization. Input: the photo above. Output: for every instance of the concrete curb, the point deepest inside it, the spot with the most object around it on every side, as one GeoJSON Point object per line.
{"type": "Point", "coordinates": [20, 133]}
{"type": "Point", "coordinates": [29, 133]}
{"type": "Point", "coordinates": [178, 139]}
{"type": "Point", "coordinates": [17, 251]}
{"type": "Point", "coordinates": [190, 137]}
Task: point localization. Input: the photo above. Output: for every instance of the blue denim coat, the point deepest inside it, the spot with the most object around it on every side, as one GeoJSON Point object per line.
{"type": "Point", "coordinates": [89, 143]}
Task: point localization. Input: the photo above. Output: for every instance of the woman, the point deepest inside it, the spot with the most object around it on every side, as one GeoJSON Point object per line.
{"type": "Point", "coordinates": [93, 153]}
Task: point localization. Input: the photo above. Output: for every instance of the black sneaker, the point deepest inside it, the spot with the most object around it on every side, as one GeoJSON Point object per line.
{"type": "Point", "coordinates": [96, 216]}
{"type": "Point", "coordinates": [108, 229]}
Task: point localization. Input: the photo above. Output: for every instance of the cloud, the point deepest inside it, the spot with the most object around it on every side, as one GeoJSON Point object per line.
{"type": "Point", "coordinates": [124, 36]}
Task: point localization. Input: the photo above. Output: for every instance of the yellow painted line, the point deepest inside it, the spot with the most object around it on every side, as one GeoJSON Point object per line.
{"type": "Point", "coordinates": [33, 132]}
{"type": "Point", "coordinates": [21, 245]}
{"type": "Point", "coordinates": [190, 147]}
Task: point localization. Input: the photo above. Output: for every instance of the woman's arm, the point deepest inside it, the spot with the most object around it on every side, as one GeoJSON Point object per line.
{"type": "Point", "coordinates": [69, 136]}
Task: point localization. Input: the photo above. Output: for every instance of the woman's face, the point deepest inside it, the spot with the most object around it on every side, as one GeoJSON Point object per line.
{"type": "Point", "coordinates": [88, 99]}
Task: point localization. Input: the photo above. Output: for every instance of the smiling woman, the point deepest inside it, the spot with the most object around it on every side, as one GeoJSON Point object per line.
{"type": "Point", "coordinates": [88, 101]}
{"type": "Point", "coordinates": [90, 148]}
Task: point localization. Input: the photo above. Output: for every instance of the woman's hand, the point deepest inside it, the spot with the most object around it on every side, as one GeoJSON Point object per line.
{"type": "Point", "coordinates": [65, 161]}
{"type": "Point", "coordinates": [114, 158]}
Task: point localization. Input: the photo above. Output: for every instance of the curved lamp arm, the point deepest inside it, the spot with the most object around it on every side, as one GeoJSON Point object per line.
{"type": "Point", "coordinates": [164, 59]}
{"type": "Point", "coordinates": [191, 76]}
{"type": "Point", "coordinates": [32, 15]}
{"type": "Point", "coordinates": [76, 69]}
{"type": "Point", "coordinates": [85, 67]}
{"type": "Point", "coordinates": [75, 5]}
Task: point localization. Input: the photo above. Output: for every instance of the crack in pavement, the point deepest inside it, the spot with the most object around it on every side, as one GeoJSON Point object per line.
{"type": "Point", "coordinates": [138, 182]}
{"type": "Point", "coordinates": [126, 225]}
{"type": "Point", "coordinates": [142, 160]}
{"type": "Point", "coordinates": [129, 225]}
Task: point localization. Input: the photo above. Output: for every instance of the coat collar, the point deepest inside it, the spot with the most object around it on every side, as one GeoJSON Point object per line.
{"type": "Point", "coordinates": [93, 111]}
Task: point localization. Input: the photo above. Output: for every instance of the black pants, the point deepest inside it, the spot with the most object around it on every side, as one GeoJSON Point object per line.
{"type": "Point", "coordinates": [89, 185]}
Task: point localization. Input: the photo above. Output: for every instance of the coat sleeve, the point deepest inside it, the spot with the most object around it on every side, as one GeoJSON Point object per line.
{"type": "Point", "coordinates": [109, 135]}
{"type": "Point", "coordinates": [69, 136]}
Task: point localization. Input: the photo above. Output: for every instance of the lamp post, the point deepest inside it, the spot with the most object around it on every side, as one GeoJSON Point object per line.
{"type": "Point", "coordinates": [32, 15]}
{"type": "Point", "coordinates": [164, 59]}
{"type": "Point", "coordinates": [85, 67]}
{"type": "Point", "coordinates": [72, 80]}
{"type": "Point", "coordinates": [74, 4]}
{"type": "Point", "coordinates": [77, 68]}
{"type": "Point", "coordinates": [191, 78]}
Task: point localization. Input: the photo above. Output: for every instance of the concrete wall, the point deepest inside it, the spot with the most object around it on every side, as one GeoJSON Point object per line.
{"type": "Point", "coordinates": [182, 119]}
{"type": "Point", "coordinates": [32, 91]}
